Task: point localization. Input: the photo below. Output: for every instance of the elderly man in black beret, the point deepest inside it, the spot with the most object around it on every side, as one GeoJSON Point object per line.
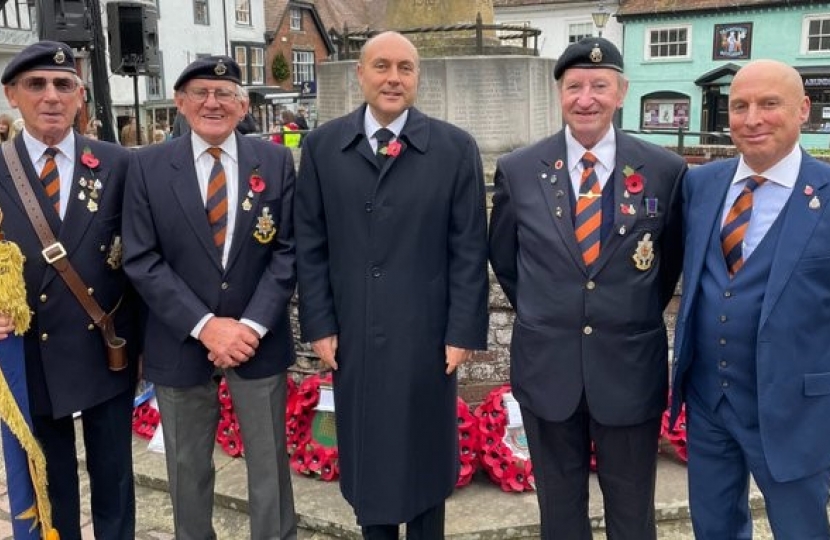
{"type": "Point", "coordinates": [585, 239]}
{"type": "Point", "coordinates": [209, 244]}
{"type": "Point", "coordinates": [74, 187]}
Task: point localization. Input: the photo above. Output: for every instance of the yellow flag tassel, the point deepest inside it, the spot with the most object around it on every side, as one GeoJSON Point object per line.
{"type": "Point", "coordinates": [13, 304]}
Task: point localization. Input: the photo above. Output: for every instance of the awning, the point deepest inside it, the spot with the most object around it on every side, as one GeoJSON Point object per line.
{"type": "Point", "coordinates": [813, 71]}
{"type": "Point", "coordinates": [719, 76]}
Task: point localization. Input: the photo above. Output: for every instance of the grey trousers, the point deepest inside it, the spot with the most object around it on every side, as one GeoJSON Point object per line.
{"type": "Point", "coordinates": [189, 419]}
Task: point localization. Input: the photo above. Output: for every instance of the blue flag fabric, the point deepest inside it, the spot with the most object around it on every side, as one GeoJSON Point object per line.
{"type": "Point", "coordinates": [22, 503]}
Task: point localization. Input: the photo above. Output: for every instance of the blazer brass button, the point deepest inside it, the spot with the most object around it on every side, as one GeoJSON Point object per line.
{"type": "Point", "coordinates": [590, 285]}
{"type": "Point", "coordinates": [587, 330]}
{"type": "Point", "coordinates": [43, 298]}
{"type": "Point", "coordinates": [44, 337]}
{"type": "Point", "coordinates": [225, 285]}
{"type": "Point", "coordinates": [90, 326]}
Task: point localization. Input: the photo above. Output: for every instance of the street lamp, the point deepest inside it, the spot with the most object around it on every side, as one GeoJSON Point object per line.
{"type": "Point", "coordinates": [600, 17]}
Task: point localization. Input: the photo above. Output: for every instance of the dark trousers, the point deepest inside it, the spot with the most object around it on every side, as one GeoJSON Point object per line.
{"type": "Point", "coordinates": [626, 466]}
{"type": "Point", "coordinates": [428, 525]}
{"type": "Point", "coordinates": [107, 432]}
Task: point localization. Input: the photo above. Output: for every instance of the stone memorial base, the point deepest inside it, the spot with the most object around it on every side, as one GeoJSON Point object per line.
{"type": "Point", "coordinates": [504, 101]}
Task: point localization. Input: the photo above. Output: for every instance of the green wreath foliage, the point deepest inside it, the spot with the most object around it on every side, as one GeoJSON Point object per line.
{"type": "Point", "coordinates": [279, 67]}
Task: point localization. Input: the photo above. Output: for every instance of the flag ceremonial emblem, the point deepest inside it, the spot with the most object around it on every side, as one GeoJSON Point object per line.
{"type": "Point", "coordinates": [24, 459]}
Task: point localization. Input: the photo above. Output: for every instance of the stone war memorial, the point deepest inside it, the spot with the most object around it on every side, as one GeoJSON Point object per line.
{"type": "Point", "coordinates": [485, 78]}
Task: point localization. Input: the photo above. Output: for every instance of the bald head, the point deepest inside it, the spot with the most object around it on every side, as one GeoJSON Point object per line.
{"type": "Point", "coordinates": [385, 39]}
{"type": "Point", "coordinates": [767, 106]}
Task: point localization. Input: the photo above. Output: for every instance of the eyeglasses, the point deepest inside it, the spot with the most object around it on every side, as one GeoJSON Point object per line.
{"type": "Point", "coordinates": [36, 85]}
{"type": "Point", "coordinates": [200, 95]}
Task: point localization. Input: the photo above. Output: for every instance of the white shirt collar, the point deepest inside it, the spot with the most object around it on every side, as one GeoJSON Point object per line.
{"type": "Point", "coordinates": [784, 173]}
{"type": "Point", "coordinates": [370, 125]}
{"type": "Point", "coordinates": [605, 150]}
{"type": "Point", "coordinates": [200, 146]}
{"type": "Point", "coordinates": [35, 148]}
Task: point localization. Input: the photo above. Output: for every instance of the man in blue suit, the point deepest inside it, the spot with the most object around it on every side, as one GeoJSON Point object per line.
{"type": "Point", "coordinates": [752, 361]}
{"type": "Point", "coordinates": [585, 241]}
{"type": "Point", "coordinates": [78, 183]}
{"type": "Point", "coordinates": [209, 244]}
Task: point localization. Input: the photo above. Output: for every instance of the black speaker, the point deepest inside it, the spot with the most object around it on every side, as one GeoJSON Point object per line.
{"type": "Point", "coordinates": [65, 20]}
{"type": "Point", "coordinates": [133, 38]}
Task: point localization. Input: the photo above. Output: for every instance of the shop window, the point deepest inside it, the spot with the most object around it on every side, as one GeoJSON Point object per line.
{"type": "Point", "coordinates": [665, 110]}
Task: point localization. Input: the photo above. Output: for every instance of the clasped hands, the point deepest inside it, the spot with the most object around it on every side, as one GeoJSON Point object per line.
{"type": "Point", "coordinates": [229, 342]}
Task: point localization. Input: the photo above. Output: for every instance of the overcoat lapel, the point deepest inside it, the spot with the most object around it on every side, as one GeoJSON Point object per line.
{"type": "Point", "coordinates": [185, 186]}
{"type": "Point", "coordinates": [79, 216]}
{"type": "Point", "coordinates": [800, 221]}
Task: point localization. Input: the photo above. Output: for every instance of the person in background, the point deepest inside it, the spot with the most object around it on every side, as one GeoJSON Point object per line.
{"type": "Point", "coordinates": [751, 350]}
{"type": "Point", "coordinates": [585, 240]}
{"type": "Point", "coordinates": [394, 315]}
{"type": "Point", "coordinates": [290, 139]}
{"type": "Point", "coordinates": [209, 244]}
{"type": "Point", "coordinates": [78, 184]}
{"type": "Point", "coordinates": [6, 128]}
{"type": "Point", "coordinates": [301, 119]}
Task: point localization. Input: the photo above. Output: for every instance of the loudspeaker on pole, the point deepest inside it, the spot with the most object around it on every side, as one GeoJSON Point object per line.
{"type": "Point", "coordinates": [132, 30]}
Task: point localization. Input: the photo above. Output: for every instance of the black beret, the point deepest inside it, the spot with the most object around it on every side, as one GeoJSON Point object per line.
{"type": "Point", "coordinates": [48, 55]}
{"type": "Point", "coordinates": [592, 52]}
{"type": "Point", "coordinates": [220, 68]}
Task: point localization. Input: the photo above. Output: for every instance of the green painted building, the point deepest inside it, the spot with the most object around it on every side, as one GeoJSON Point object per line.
{"type": "Point", "coordinates": [680, 57]}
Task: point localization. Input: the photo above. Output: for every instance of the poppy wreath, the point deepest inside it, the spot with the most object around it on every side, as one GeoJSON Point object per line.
{"type": "Point", "coordinates": [676, 437]}
{"type": "Point", "coordinates": [146, 419]}
{"type": "Point", "coordinates": [309, 455]}
{"type": "Point", "coordinates": [468, 444]}
{"type": "Point", "coordinates": [505, 469]}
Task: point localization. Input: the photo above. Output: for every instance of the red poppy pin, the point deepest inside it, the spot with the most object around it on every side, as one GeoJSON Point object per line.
{"type": "Point", "coordinates": [634, 181]}
{"type": "Point", "coordinates": [256, 182]}
{"type": "Point", "coordinates": [393, 149]}
{"type": "Point", "coordinates": [89, 159]}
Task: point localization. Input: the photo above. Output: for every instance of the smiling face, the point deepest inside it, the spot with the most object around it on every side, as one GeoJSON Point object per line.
{"type": "Point", "coordinates": [767, 107]}
{"type": "Point", "coordinates": [215, 118]}
{"type": "Point", "coordinates": [48, 101]}
{"type": "Point", "coordinates": [589, 99]}
{"type": "Point", "coordinates": [388, 75]}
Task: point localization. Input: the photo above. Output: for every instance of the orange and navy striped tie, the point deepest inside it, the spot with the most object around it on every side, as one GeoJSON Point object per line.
{"type": "Point", "coordinates": [51, 179]}
{"type": "Point", "coordinates": [589, 211]}
{"type": "Point", "coordinates": [736, 223]}
{"type": "Point", "coordinates": [217, 199]}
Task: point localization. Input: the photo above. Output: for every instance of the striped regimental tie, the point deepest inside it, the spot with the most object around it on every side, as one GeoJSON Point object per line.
{"type": "Point", "coordinates": [50, 177]}
{"type": "Point", "coordinates": [737, 221]}
{"type": "Point", "coordinates": [589, 211]}
{"type": "Point", "coordinates": [217, 199]}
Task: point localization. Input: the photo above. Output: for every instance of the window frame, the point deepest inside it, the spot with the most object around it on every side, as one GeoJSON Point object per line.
{"type": "Point", "coordinates": [242, 12]}
{"type": "Point", "coordinates": [299, 68]}
{"type": "Point", "coordinates": [295, 15]}
{"type": "Point", "coordinates": [647, 43]}
{"type": "Point", "coordinates": [588, 24]}
{"type": "Point", "coordinates": [805, 34]}
{"type": "Point", "coordinates": [244, 73]}
{"type": "Point", "coordinates": [206, 5]}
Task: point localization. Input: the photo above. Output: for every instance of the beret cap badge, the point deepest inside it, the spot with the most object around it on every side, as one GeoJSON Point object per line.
{"type": "Point", "coordinates": [220, 68]}
{"type": "Point", "coordinates": [596, 54]}
{"type": "Point", "coordinates": [59, 57]}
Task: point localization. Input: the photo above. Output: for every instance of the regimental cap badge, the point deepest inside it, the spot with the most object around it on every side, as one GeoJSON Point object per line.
{"type": "Point", "coordinates": [596, 54]}
{"type": "Point", "coordinates": [60, 57]}
{"type": "Point", "coordinates": [220, 68]}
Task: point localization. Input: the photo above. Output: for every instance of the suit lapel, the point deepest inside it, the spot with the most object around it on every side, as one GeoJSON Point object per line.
{"type": "Point", "coordinates": [185, 185]}
{"type": "Point", "coordinates": [555, 183]}
{"type": "Point", "coordinates": [79, 214]}
{"type": "Point", "coordinates": [248, 163]}
{"type": "Point", "coordinates": [799, 221]}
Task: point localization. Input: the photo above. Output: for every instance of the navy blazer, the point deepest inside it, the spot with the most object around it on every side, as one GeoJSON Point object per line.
{"type": "Point", "coordinates": [597, 330]}
{"type": "Point", "coordinates": [793, 350]}
{"type": "Point", "coordinates": [66, 363]}
{"type": "Point", "coordinates": [170, 256]}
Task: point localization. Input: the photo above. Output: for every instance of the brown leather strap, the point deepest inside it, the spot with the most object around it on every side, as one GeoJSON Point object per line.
{"type": "Point", "coordinates": [53, 251]}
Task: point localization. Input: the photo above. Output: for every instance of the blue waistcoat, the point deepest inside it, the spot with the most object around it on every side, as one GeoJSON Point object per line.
{"type": "Point", "coordinates": [726, 321]}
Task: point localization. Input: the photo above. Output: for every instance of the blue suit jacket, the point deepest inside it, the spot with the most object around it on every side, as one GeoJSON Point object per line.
{"type": "Point", "coordinates": [65, 355]}
{"type": "Point", "coordinates": [597, 330]}
{"type": "Point", "coordinates": [171, 258]}
{"type": "Point", "coordinates": [793, 351]}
